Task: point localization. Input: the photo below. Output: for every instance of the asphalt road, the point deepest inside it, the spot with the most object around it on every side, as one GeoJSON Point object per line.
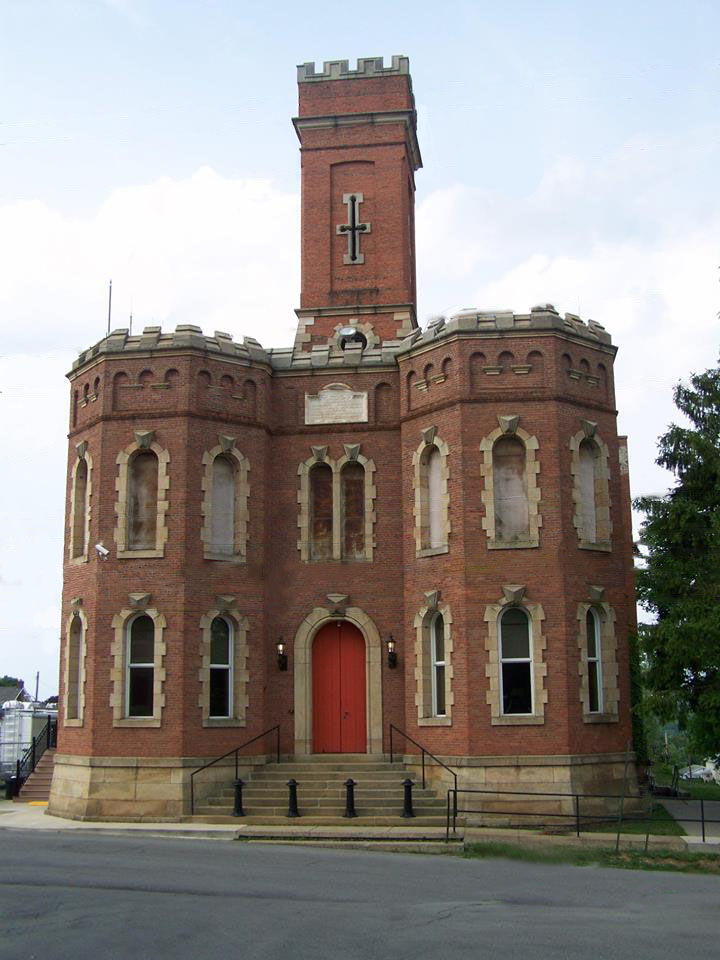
{"type": "Point", "coordinates": [84, 896]}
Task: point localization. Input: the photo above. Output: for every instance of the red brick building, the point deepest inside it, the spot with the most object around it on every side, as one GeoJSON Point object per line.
{"type": "Point", "coordinates": [434, 525]}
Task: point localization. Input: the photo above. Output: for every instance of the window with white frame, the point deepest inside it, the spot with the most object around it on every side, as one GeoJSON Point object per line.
{"type": "Point", "coordinates": [221, 668]}
{"type": "Point", "coordinates": [74, 669]}
{"type": "Point", "coordinates": [516, 667]}
{"type": "Point", "coordinates": [437, 655]}
{"type": "Point", "coordinates": [594, 662]}
{"type": "Point", "coordinates": [140, 679]}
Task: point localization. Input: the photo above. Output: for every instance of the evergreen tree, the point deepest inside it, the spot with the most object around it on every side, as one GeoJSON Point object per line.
{"type": "Point", "coordinates": [680, 583]}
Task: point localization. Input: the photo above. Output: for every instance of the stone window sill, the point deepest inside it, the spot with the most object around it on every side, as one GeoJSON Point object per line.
{"type": "Point", "coordinates": [225, 557]}
{"type": "Point", "coordinates": [137, 722]}
{"type": "Point", "coordinates": [603, 545]}
{"type": "Point", "coordinates": [435, 722]}
{"type": "Point", "coordinates": [518, 721]}
{"type": "Point", "coordinates": [139, 554]}
{"type": "Point", "coordinates": [73, 723]}
{"type": "Point", "coordinates": [77, 561]}
{"type": "Point", "coordinates": [514, 545]}
{"type": "Point", "coordinates": [432, 551]}
{"type": "Point", "coordinates": [223, 722]}
{"type": "Point", "coordinates": [600, 718]}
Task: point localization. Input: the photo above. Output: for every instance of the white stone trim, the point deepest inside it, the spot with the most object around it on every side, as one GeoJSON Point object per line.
{"type": "Point", "coordinates": [420, 487]}
{"type": "Point", "coordinates": [118, 671]}
{"type": "Point", "coordinates": [241, 676]}
{"type": "Point", "coordinates": [536, 613]}
{"type": "Point", "coordinates": [602, 488]}
{"type": "Point", "coordinates": [121, 505]}
{"type": "Point", "coordinates": [423, 665]}
{"type": "Point", "coordinates": [609, 669]}
{"type": "Point", "coordinates": [77, 611]}
{"type": "Point", "coordinates": [241, 466]}
{"type": "Point", "coordinates": [84, 455]}
{"type": "Point", "coordinates": [508, 426]}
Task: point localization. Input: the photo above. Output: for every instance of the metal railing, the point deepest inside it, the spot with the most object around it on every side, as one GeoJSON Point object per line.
{"type": "Point", "coordinates": [574, 818]}
{"type": "Point", "coordinates": [45, 740]}
{"type": "Point", "coordinates": [235, 751]}
{"type": "Point", "coordinates": [424, 752]}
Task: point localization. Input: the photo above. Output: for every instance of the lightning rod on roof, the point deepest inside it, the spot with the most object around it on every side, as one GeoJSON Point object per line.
{"type": "Point", "coordinates": [109, 306]}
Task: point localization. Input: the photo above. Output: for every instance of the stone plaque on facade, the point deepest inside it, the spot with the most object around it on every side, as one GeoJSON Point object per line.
{"type": "Point", "coordinates": [336, 403]}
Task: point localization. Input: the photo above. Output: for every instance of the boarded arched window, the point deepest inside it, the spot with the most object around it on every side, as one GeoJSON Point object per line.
{"type": "Point", "coordinates": [516, 662]}
{"type": "Point", "coordinates": [221, 668]}
{"type": "Point", "coordinates": [352, 486]}
{"type": "Point", "coordinates": [512, 520]}
{"type": "Point", "coordinates": [80, 509]}
{"type": "Point", "coordinates": [140, 682]}
{"type": "Point", "coordinates": [222, 531]}
{"type": "Point", "coordinates": [435, 500]}
{"type": "Point", "coordinates": [321, 512]}
{"type": "Point", "coordinates": [74, 661]}
{"type": "Point", "coordinates": [142, 501]}
{"type": "Point", "coordinates": [437, 661]}
{"type": "Point", "coordinates": [588, 507]}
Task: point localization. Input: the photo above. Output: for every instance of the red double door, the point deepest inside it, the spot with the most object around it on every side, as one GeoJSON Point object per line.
{"type": "Point", "coordinates": [339, 711]}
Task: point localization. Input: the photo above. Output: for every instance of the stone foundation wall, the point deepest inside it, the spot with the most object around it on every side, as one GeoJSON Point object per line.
{"type": "Point", "coordinates": [135, 788]}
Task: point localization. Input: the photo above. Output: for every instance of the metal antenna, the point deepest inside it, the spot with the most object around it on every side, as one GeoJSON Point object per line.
{"type": "Point", "coordinates": [109, 306]}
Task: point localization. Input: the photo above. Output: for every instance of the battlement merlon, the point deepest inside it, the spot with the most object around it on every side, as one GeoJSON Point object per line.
{"type": "Point", "coordinates": [504, 323]}
{"type": "Point", "coordinates": [186, 336]}
{"type": "Point", "coordinates": [366, 67]}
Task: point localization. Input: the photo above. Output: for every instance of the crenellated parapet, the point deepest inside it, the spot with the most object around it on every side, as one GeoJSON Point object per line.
{"type": "Point", "coordinates": [186, 336]}
{"type": "Point", "coordinates": [366, 67]}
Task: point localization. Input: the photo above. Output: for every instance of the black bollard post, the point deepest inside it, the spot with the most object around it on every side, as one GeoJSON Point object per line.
{"type": "Point", "coordinates": [238, 809]}
{"type": "Point", "coordinates": [407, 802]}
{"type": "Point", "coordinates": [292, 799]}
{"type": "Point", "coordinates": [350, 798]}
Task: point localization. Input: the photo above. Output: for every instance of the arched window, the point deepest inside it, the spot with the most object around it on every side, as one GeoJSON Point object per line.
{"type": "Point", "coordinates": [430, 485]}
{"type": "Point", "coordinates": [594, 662]}
{"type": "Point", "coordinates": [515, 663]}
{"type": "Point", "coordinates": [142, 501]}
{"type": "Point", "coordinates": [221, 668]}
{"type": "Point", "coordinates": [352, 486]}
{"type": "Point", "coordinates": [321, 512]}
{"type": "Point", "coordinates": [222, 533]}
{"type": "Point", "coordinates": [74, 668]}
{"type": "Point", "coordinates": [437, 657]}
{"type": "Point", "coordinates": [80, 510]}
{"type": "Point", "coordinates": [588, 511]}
{"type": "Point", "coordinates": [435, 505]}
{"type": "Point", "coordinates": [140, 659]}
{"type": "Point", "coordinates": [512, 520]}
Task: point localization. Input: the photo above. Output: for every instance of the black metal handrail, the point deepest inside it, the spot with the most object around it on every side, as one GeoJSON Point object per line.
{"type": "Point", "coordinates": [453, 809]}
{"type": "Point", "coordinates": [424, 752]}
{"type": "Point", "coordinates": [236, 751]}
{"type": "Point", "coordinates": [45, 740]}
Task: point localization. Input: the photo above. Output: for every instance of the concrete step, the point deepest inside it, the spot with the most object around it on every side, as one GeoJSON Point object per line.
{"type": "Point", "coordinates": [324, 821]}
{"type": "Point", "coordinates": [314, 810]}
{"type": "Point", "coordinates": [306, 776]}
{"type": "Point", "coordinates": [379, 796]}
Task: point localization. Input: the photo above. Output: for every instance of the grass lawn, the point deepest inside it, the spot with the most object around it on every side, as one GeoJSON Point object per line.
{"type": "Point", "coordinates": [696, 788]}
{"type": "Point", "coordinates": [659, 822]}
{"type": "Point", "coordinates": [677, 860]}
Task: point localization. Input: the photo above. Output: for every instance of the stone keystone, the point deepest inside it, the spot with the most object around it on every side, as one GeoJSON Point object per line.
{"type": "Point", "coordinates": [352, 450]}
{"type": "Point", "coordinates": [224, 602]}
{"type": "Point", "coordinates": [337, 602]}
{"type": "Point", "coordinates": [319, 452]}
{"type": "Point", "coordinates": [429, 435]}
{"type": "Point", "coordinates": [508, 424]}
{"type": "Point", "coordinates": [144, 438]}
{"type": "Point", "coordinates": [76, 602]}
{"type": "Point", "coordinates": [432, 598]}
{"type": "Point", "coordinates": [227, 443]}
{"type": "Point", "coordinates": [81, 448]}
{"type": "Point", "coordinates": [139, 600]}
{"type": "Point", "coordinates": [596, 593]}
{"type": "Point", "coordinates": [589, 428]}
{"type": "Point", "coordinates": [514, 592]}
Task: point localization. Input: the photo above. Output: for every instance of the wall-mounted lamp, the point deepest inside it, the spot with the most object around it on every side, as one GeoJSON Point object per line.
{"type": "Point", "coordinates": [391, 651]}
{"type": "Point", "coordinates": [282, 655]}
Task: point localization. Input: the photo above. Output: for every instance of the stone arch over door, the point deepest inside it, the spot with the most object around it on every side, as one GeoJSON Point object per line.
{"type": "Point", "coordinates": [302, 655]}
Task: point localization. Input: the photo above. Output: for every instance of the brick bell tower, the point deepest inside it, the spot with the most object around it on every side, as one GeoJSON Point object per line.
{"type": "Point", "coordinates": [359, 149]}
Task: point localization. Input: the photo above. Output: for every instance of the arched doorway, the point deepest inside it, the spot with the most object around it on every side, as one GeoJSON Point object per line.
{"type": "Point", "coordinates": [339, 689]}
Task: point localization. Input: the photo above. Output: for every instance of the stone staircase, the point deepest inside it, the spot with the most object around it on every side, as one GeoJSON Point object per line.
{"type": "Point", "coordinates": [36, 788]}
{"type": "Point", "coordinates": [321, 794]}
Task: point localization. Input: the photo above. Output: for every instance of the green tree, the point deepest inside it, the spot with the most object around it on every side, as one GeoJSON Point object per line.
{"type": "Point", "coordinates": [680, 583]}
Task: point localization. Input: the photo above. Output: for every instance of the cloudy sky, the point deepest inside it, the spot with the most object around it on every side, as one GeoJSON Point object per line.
{"type": "Point", "coordinates": [571, 156]}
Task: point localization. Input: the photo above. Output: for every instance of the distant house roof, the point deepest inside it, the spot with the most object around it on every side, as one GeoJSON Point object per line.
{"type": "Point", "coordinates": [13, 693]}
